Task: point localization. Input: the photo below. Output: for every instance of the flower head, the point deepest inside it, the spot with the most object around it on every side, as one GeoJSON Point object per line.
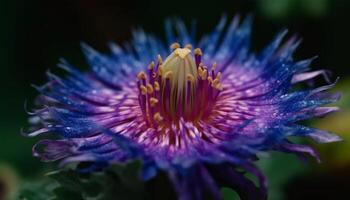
{"type": "Point", "coordinates": [197, 114]}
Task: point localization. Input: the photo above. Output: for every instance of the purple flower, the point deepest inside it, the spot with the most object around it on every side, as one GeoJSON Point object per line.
{"type": "Point", "coordinates": [199, 114]}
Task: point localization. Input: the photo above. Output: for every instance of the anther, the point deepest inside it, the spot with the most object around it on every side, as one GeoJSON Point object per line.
{"type": "Point", "coordinates": [215, 82]}
{"type": "Point", "coordinates": [190, 78]}
{"type": "Point", "coordinates": [156, 86]}
{"type": "Point", "coordinates": [153, 101]}
{"type": "Point", "coordinates": [149, 88]}
{"type": "Point", "coordinates": [141, 75]}
{"type": "Point", "coordinates": [210, 79]}
{"type": "Point", "coordinates": [200, 71]}
{"type": "Point", "coordinates": [151, 65]}
{"type": "Point", "coordinates": [157, 117]}
{"type": "Point", "coordinates": [188, 46]}
{"type": "Point", "coordinates": [143, 90]}
{"type": "Point", "coordinates": [213, 67]}
{"type": "Point", "coordinates": [174, 46]}
{"type": "Point", "coordinates": [218, 75]}
{"type": "Point", "coordinates": [219, 86]}
{"type": "Point", "coordinates": [168, 75]}
{"type": "Point", "coordinates": [204, 74]}
{"type": "Point", "coordinates": [182, 53]}
{"type": "Point", "coordinates": [160, 70]}
{"type": "Point", "coordinates": [198, 52]}
{"type": "Point", "coordinates": [160, 60]}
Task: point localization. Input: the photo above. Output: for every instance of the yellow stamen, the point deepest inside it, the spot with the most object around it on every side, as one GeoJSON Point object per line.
{"type": "Point", "coordinates": [219, 86]}
{"type": "Point", "coordinates": [213, 67]}
{"type": "Point", "coordinates": [160, 70]}
{"type": "Point", "coordinates": [156, 86]}
{"type": "Point", "coordinates": [200, 71]}
{"type": "Point", "coordinates": [198, 52]}
{"type": "Point", "coordinates": [160, 60]}
{"type": "Point", "coordinates": [157, 117]}
{"type": "Point", "coordinates": [153, 101]}
{"type": "Point", "coordinates": [149, 88]}
{"type": "Point", "coordinates": [141, 75]}
{"type": "Point", "coordinates": [204, 74]}
{"type": "Point", "coordinates": [188, 46]}
{"type": "Point", "coordinates": [190, 78]}
{"type": "Point", "coordinates": [182, 53]}
{"type": "Point", "coordinates": [168, 75]}
{"type": "Point", "coordinates": [151, 65]}
{"type": "Point", "coordinates": [143, 90]}
{"type": "Point", "coordinates": [174, 46]}
{"type": "Point", "coordinates": [215, 81]}
{"type": "Point", "coordinates": [218, 76]}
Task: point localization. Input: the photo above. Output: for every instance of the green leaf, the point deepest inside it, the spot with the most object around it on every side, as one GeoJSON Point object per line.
{"type": "Point", "coordinates": [41, 190]}
{"type": "Point", "coordinates": [120, 182]}
{"type": "Point", "coordinates": [229, 194]}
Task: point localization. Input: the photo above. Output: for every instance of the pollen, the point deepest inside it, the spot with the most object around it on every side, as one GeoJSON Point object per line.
{"type": "Point", "coordinates": [168, 75]}
{"type": "Point", "coordinates": [213, 67]}
{"type": "Point", "coordinates": [143, 90]}
{"type": "Point", "coordinates": [141, 75]}
{"type": "Point", "coordinates": [190, 78]}
{"type": "Point", "coordinates": [204, 74]}
{"type": "Point", "coordinates": [149, 88]}
{"type": "Point", "coordinates": [188, 46]}
{"type": "Point", "coordinates": [198, 51]}
{"type": "Point", "coordinates": [153, 101]}
{"type": "Point", "coordinates": [160, 59]}
{"type": "Point", "coordinates": [156, 86]}
{"type": "Point", "coordinates": [160, 70]}
{"type": "Point", "coordinates": [218, 76]}
{"type": "Point", "coordinates": [215, 82]}
{"type": "Point", "coordinates": [182, 53]}
{"type": "Point", "coordinates": [157, 117]}
{"type": "Point", "coordinates": [151, 65]}
{"type": "Point", "coordinates": [174, 46]}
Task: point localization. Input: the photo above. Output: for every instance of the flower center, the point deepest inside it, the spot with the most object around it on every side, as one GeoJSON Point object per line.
{"type": "Point", "coordinates": [181, 87]}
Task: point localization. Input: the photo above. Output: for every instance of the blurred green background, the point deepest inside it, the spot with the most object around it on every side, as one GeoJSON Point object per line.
{"type": "Point", "coordinates": [35, 34]}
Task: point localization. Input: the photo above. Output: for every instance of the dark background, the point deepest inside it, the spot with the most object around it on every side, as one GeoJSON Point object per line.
{"type": "Point", "coordinates": [35, 34]}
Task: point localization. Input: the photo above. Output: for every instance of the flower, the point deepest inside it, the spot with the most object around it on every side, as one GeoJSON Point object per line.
{"type": "Point", "coordinates": [201, 115]}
